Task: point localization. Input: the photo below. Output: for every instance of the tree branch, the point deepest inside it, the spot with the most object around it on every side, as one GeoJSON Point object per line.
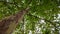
{"type": "Point", "coordinates": [43, 19]}
{"type": "Point", "coordinates": [6, 2]}
{"type": "Point", "coordinates": [14, 3]}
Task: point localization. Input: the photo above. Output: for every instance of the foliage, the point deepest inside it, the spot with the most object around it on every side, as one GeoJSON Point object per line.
{"type": "Point", "coordinates": [42, 18]}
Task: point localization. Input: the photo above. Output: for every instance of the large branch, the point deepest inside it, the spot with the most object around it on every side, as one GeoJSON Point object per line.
{"type": "Point", "coordinates": [46, 20]}
{"type": "Point", "coordinates": [7, 25]}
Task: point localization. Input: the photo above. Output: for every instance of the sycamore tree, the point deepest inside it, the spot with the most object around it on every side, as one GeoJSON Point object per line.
{"type": "Point", "coordinates": [42, 16]}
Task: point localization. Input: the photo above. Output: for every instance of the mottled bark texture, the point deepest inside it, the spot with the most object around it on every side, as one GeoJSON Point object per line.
{"type": "Point", "coordinates": [7, 25]}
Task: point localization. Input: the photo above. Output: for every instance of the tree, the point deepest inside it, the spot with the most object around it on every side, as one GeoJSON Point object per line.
{"type": "Point", "coordinates": [42, 17]}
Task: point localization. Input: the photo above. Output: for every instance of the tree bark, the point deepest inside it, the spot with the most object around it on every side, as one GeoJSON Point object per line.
{"type": "Point", "coordinates": [7, 25]}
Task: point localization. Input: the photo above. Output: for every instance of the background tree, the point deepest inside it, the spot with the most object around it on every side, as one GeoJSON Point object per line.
{"type": "Point", "coordinates": [42, 18]}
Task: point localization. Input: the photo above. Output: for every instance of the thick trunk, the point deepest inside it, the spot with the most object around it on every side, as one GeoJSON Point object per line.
{"type": "Point", "coordinates": [7, 25]}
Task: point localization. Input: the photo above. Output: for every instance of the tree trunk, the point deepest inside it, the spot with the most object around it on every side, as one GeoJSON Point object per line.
{"type": "Point", "coordinates": [7, 25]}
